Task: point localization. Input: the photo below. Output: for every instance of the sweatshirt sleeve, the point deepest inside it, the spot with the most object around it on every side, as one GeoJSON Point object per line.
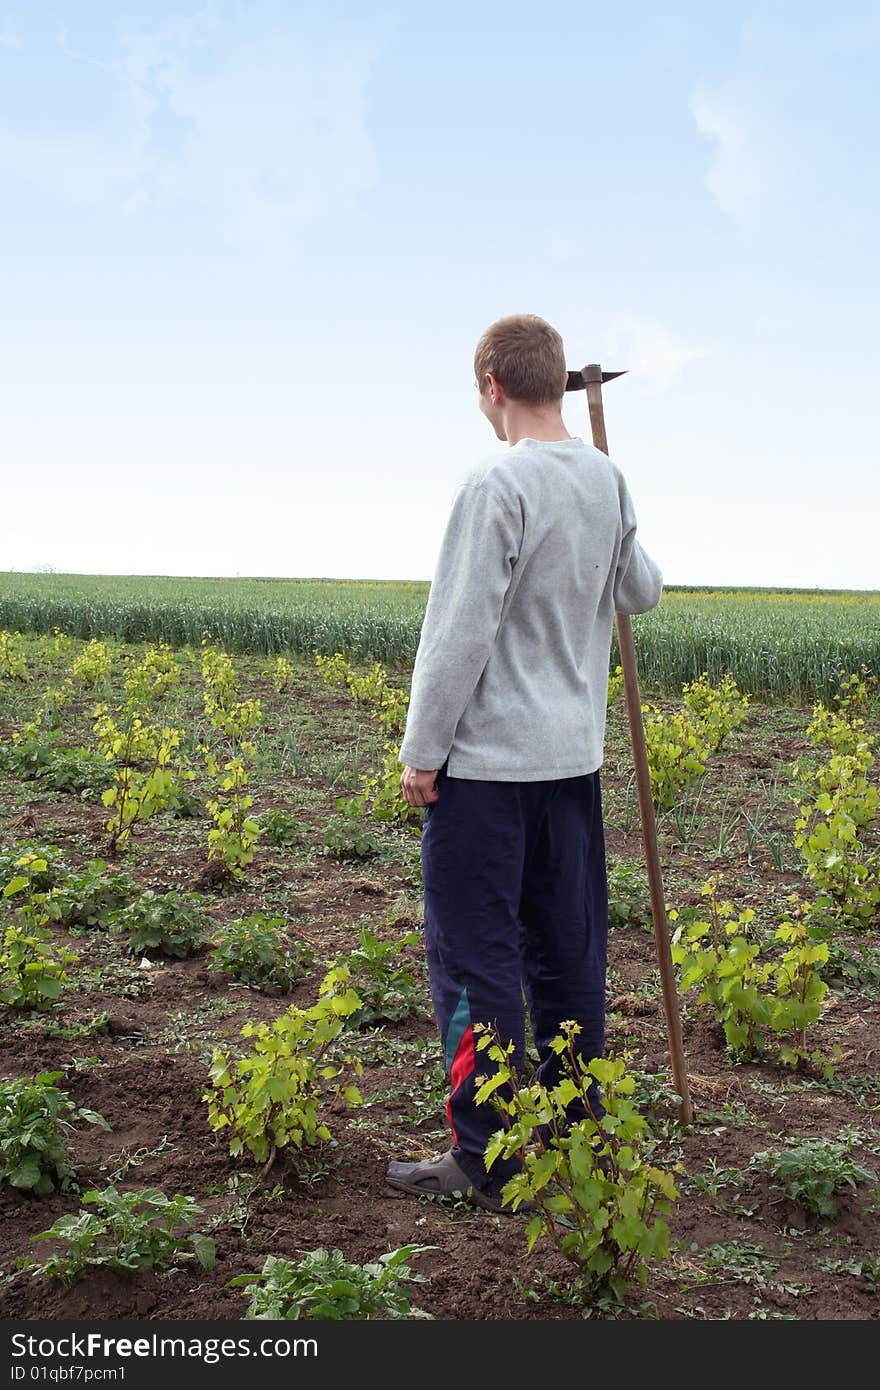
{"type": "Point", "coordinates": [479, 549]}
{"type": "Point", "coordinates": [638, 583]}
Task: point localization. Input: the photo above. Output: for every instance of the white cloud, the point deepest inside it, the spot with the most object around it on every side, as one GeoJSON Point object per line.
{"type": "Point", "coordinates": [652, 353]}
{"type": "Point", "coordinates": [266, 136]}
{"type": "Point", "coordinates": [278, 137]}
{"type": "Point", "coordinates": [739, 173]}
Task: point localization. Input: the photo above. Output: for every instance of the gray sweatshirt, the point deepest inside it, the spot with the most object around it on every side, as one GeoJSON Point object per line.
{"type": "Point", "coordinates": [510, 680]}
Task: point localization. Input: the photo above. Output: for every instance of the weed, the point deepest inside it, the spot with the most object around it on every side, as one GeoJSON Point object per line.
{"type": "Point", "coordinates": [118, 1166]}
{"type": "Point", "coordinates": [812, 1172]}
{"type": "Point", "coordinates": [628, 895]}
{"type": "Point", "coordinates": [281, 828]}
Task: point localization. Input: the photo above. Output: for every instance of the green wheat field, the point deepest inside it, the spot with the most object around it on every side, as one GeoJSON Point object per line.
{"type": "Point", "coordinates": [777, 643]}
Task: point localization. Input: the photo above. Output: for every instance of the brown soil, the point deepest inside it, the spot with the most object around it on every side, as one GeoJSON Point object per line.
{"type": "Point", "coordinates": [146, 1073]}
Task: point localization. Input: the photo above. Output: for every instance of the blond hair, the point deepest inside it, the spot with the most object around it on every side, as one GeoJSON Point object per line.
{"type": "Point", "coordinates": [526, 356]}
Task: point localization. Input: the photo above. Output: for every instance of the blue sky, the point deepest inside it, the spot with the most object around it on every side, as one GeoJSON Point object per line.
{"type": "Point", "coordinates": [248, 249]}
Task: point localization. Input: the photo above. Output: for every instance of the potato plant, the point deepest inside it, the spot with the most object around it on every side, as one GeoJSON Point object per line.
{"type": "Point", "coordinates": [33, 970]}
{"type": "Point", "coordinates": [36, 1120]}
{"type": "Point", "coordinates": [169, 924]}
{"type": "Point", "coordinates": [127, 1233]}
{"type": "Point", "coordinates": [257, 951]}
{"type": "Point", "coordinates": [324, 1285]}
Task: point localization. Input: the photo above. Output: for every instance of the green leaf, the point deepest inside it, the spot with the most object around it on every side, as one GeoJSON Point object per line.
{"type": "Point", "coordinates": [27, 1174]}
{"type": "Point", "coordinates": [15, 885]}
{"type": "Point", "coordinates": [205, 1250]}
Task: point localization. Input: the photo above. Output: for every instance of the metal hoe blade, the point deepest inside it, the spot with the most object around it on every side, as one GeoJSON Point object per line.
{"type": "Point", "coordinates": [577, 379]}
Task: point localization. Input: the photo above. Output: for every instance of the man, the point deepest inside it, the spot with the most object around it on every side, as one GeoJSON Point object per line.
{"type": "Point", "coordinates": [507, 718]}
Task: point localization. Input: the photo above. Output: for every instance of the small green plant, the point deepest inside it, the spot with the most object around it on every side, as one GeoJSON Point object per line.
{"type": "Point", "coordinates": [152, 679]}
{"type": "Point", "coordinates": [46, 716]}
{"type": "Point", "coordinates": [83, 1028]}
{"type": "Point", "coordinates": [230, 718]}
{"type": "Point", "coordinates": [752, 996]}
{"type": "Point", "coordinates": [384, 984]}
{"type": "Point", "coordinates": [257, 951]}
{"type": "Point", "coordinates": [147, 769]}
{"type": "Point", "coordinates": [866, 1268]}
{"type": "Point", "coordinates": [172, 924]}
{"type": "Point", "coordinates": [327, 1286]}
{"type": "Point", "coordinates": [281, 674]}
{"type": "Point", "coordinates": [59, 644]}
{"type": "Point", "coordinates": [628, 895]}
{"type": "Point", "coordinates": [36, 759]}
{"type": "Point", "coordinates": [36, 1118]}
{"type": "Point", "coordinates": [719, 708]}
{"type": "Point", "coordinates": [346, 836]}
{"type": "Point", "coordinates": [218, 673]}
{"type": "Point", "coordinates": [369, 688]}
{"type": "Point", "coordinates": [13, 663]}
{"type": "Point", "coordinates": [78, 770]}
{"type": "Point", "coordinates": [598, 1199]}
{"type": "Point", "coordinates": [28, 757]}
{"type": "Point", "coordinates": [233, 836]}
{"type": "Point", "coordinates": [657, 1102]}
{"type": "Point", "coordinates": [32, 965]}
{"type": "Point", "coordinates": [54, 698]}
{"type": "Point", "coordinates": [93, 664]}
{"type": "Point", "coordinates": [713, 1182]}
{"type": "Point", "coordinates": [334, 669]}
{"type": "Point", "coordinates": [834, 832]}
{"type": "Point", "coordinates": [677, 751]}
{"type": "Point", "coordinates": [278, 1095]}
{"type": "Point", "coordinates": [851, 964]}
{"type": "Point", "coordinates": [281, 828]}
{"type": "Point", "coordinates": [829, 834]}
{"type": "Point", "coordinates": [856, 693]}
{"type": "Point", "coordinates": [615, 685]}
{"type": "Point", "coordinates": [410, 857]}
{"type": "Point", "coordinates": [20, 860]}
{"type": "Point", "coordinates": [718, 954]}
{"type": "Point", "coordinates": [89, 899]}
{"type": "Point", "coordinates": [797, 986]}
{"type": "Point", "coordinates": [813, 1172]}
{"type": "Point", "coordinates": [380, 796]}
{"type": "Point", "coordinates": [233, 722]}
{"type": "Point", "coordinates": [745, 1261]}
{"type": "Point", "coordinates": [128, 1233]}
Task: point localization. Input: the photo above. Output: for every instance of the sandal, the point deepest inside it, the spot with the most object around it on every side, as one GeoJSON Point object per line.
{"type": "Point", "coordinates": [442, 1176]}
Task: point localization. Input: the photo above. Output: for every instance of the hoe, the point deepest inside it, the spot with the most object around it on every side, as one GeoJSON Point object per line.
{"type": "Point", "coordinates": [591, 379]}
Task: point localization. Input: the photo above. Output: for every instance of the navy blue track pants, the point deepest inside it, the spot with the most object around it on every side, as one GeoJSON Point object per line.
{"type": "Point", "coordinates": [516, 900]}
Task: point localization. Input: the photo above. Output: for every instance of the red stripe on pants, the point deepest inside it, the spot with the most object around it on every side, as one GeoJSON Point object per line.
{"type": "Point", "coordinates": [463, 1063]}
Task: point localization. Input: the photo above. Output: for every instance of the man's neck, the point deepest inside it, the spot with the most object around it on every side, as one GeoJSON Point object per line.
{"type": "Point", "coordinates": [546, 426]}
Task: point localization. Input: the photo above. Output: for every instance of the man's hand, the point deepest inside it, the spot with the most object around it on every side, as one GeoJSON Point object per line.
{"type": "Point", "coordinates": [417, 787]}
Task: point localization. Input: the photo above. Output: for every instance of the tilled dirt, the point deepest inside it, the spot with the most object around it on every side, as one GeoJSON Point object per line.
{"type": "Point", "coordinates": [743, 1251]}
